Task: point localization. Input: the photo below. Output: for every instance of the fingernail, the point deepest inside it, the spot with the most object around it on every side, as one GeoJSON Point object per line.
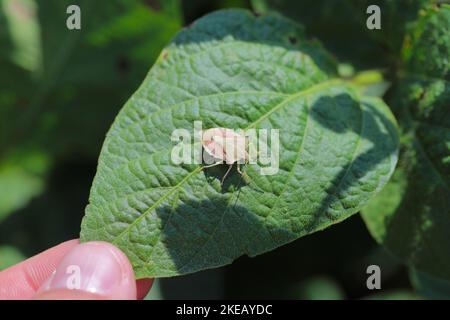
{"type": "Point", "coordinates": [94, 267]}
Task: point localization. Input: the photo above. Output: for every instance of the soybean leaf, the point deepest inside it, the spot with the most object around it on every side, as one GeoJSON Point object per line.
{"type": "Point", "coordinates": [232, 69]}
{"type": "Point", "coordinates": [411, 216]}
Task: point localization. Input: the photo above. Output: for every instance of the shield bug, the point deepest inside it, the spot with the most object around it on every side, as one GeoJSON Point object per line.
{"type": "Point", "coordinates": [225, 146]}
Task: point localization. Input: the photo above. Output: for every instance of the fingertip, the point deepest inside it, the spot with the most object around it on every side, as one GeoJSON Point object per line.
{"type": "Point", "coordinates": [22, 280]}
{"type": "Point", "coordinates": [95, 267]}
{"type": "Point", "coordinates": [66, 294]}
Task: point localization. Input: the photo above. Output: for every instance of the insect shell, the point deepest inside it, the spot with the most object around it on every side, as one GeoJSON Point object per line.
{"type": "Point", "coordinates": [225, 146]}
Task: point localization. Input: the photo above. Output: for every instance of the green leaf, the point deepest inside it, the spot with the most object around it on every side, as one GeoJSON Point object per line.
{"type": "Point", "coordinates": [411, 216]}
{"type": "Point", "coordinates": [232, 69]}
{"type": "Point", "coordinates": [429, 286]}
{"type": "Point", "coordinates": [21, 179]}
{"type": "Point", "coordinates": [318, 288]}
{"type": "Point", "coordinates": [9, 256]}
{"type": "Point", "coordinates": [341, 26]}
{"type": "Point", "coordinates": [19, 34]}
{"type": "Point", "coordinates": [19, 59]}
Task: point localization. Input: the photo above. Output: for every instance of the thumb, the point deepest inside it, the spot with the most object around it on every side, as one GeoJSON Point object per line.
{"type": "Point", "coordinates": [91, 270]}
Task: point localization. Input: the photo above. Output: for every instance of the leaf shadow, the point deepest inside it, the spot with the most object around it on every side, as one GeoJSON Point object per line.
{"type": "Point", "coordinates": [374, 127]}
{"type": "Point", "coordinates": [207, 234]}
{"type": "Point", "coordinates": [232, 181]}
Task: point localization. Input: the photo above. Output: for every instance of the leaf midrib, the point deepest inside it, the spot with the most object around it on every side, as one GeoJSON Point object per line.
{"type": "Point", "coordinates": [164, 197]}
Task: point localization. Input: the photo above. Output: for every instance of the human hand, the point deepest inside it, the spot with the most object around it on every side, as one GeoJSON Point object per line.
{"type": "Point", "coordinates": [92, 270]}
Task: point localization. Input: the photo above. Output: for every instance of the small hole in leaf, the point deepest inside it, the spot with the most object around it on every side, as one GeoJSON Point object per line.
{"type": "Point", "coordinates": [292, 39]}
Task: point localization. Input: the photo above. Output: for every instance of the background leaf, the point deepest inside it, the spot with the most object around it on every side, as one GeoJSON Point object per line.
{"type": "Point", "coordinates": [411, 216]}
{"type": "Point", "coordinates": [341, 26]}
{"type": "Point", "coordinates": [429, 286]}
{"type": "Point", "coordinates": [63, 88]}
{"type": "Point", "coordinates": [9, 256]}
{"type": "Point", "coordinates": [319, 288]}
{"type": "Point", "coordinates": [87, 72]}
{"type": "Point", "coordinates": [232, 69]}
{"type": "Point", "coordinates": [21, 179]}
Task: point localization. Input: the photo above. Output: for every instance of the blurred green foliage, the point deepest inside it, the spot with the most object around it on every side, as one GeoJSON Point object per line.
{"type": "Point", "coordinates": [341, 26]}
{"type": "Point", "coordinates": [429, 286]}
{"type": "Point", "coordinates": [411, 216]}
{"type": "Point", "coordinates": [60, 91]}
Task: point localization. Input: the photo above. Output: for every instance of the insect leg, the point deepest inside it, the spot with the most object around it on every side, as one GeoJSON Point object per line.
{"type": "Point", "coordinates": [226, 173]}
{"type": "Point", "coordinates": [242, 173]}
{"type": "Point", "coordinates": [211, 165]}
